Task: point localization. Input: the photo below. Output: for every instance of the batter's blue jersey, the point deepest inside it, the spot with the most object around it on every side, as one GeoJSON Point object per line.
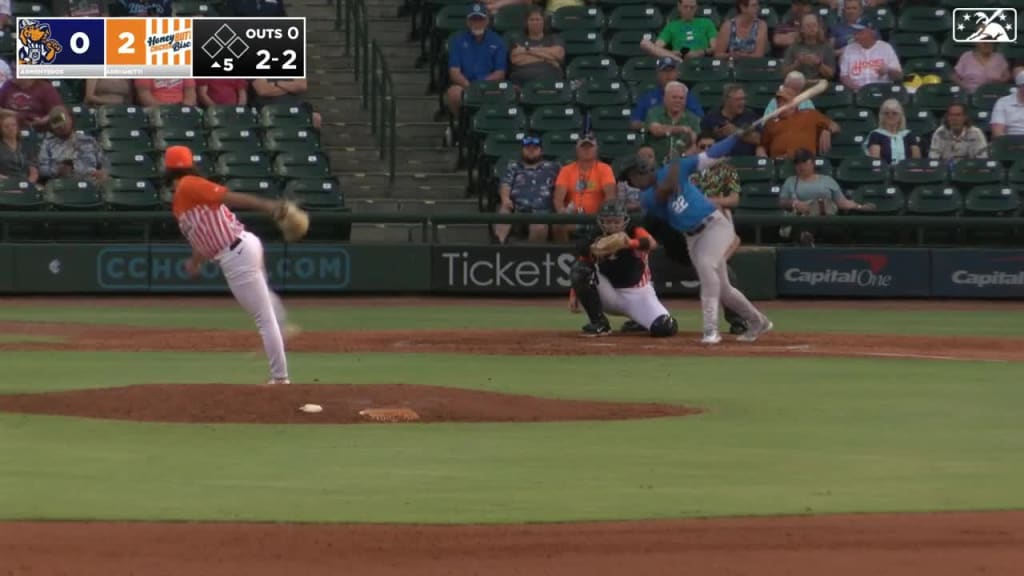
{"type": "Point", "coordinates": [684, 210]}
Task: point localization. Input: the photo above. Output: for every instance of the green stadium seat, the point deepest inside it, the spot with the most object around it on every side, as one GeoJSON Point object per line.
{"type": "Point", "coordinates": [451, 18]}
{"type": "Point", "coordinates": [231, 117]}
{"type": "Point", "coordinates": [984, 98]}
{"type": "Point", "coordinates": [286, 116]}
{"type": "Point", "coordinates": [759, 94]}
{"type": "Point", "coordinates": [1015, 173]}
{"type": "Point", "coordinates": [977, 172]}
{"type": "Point", "coordinates": [1013, 52]}
{"type": "Point", "coordinates": [916, 172]}
{"type": "Point", "coordinates": [578, 18]}
{"type": "Point", "coordinates": [194, 8]}
{"type": "Point", "coordinates": [121, 116]}
{"type": "Point", "coordinates": [298, 140]}
{"type": "Point", "coordinates": [165, 137]}
{"type": "Point", "coordinates": [992, 201]}
{"type": "Point", "coordinates": [130, 194]}
{"type": "Point", "coordinates": [177, 117]}
{"type": "Point", "coordinates": [8, 45]}
{"type": "Point", "coordinates": [888, 200]}
{"type": "Point", "coordinates": [882, 18]}
{"type": "Point", "coordinates": [592, 68]}
{"type": "Point", "coordinates": [709, 93]}
{"type": "Point", "coordinates": [858, 126]}
{"type": "Point", "coordinates": [302, 166]}
{"type": "Point", "coordinates": [125, 138]}
{"type": "Point", "coordinates": [503, 144]}
{"type": "Point", "coordinates": [625, 44]}
{"type": "Point", "coordinates": [871, 96]}
{"type": "Point", "coordinates": [262, 187]}
{"type": "Point", "coordinates": [767, 13]}
{"type": "Point", "coordinates": [709, 12]}
{"type": "Point", "coordinates": [753, 168]}
{"type": "Point", "coordinates": [489, 93]}
{"type": "Point", "coordinates": [20, 195]}
{"type": "Point", "coordinates": [704, 70]}
{"type": "Point", "coordinates": [546, 93]}
{"type": "Point", "coordinates": [243, 165]}
{"type": "Point", "coordinates": [938, 96]}
{"type": "Point", "coordinates": [636, 91]}
{"type": "Point", "coordinates": [857, 171]}
{"type": "Point", "coordinates": [920, 122]}
{"type": "Point", "coordinates": [1007, 149]}
{"type": "Point", "coordinates": [846, 144]}
{"type": "Point", "coordinates": [561, 144]}
{"type": "Point", "coordinates": [510, 17]}
{"type": "Point", "coordinates": [72, 194]}
{"type": "Point", "coordinates": [556, 119]}
{"type": "Point", "coordinates": [612, 145]}
{"type": "Point", "coordinates": [132, 165]}
{"type": "Point", "coordinates": [758, 70]}
{"type": "Point", "coordinates": [71, 91]}
{"type": "Point", "coordinates": [316, 194]}
{"type": "Point", "coordinates": [835, 96]}
{"type": "Point", "coordinates": [911, 45]}
{"type": "Point", "coordinates": [760, 197]}
{"type": "Point", "coordinates": [952, 51]}
{"type": "Point", "coordinates": [492, 119]}
{"type": "Point", "coordinates": [640, 70]}
{"type": "Point", "coordinates": [784, 168]}
{"type": "Point", "coordinates": [597, 93]}
{"type": "Point", "coordinates": [924, 19]}
{"type": "Point", "coordinates": [241, 140]}
{"type": "Point", "coordinates": [610, 118]}
{"type": "Point", "coordinates": [582, 43]}
{"type": "Point", "coordinates": [844, 116]}
{"type": "Point", "coordinates": [937, 66]}
{"type": "Point", "coordinates": [83, 118]}
{"type": "Point", "coordinates": [934, 201]}
{"type": "Point", "coordinates": [980, 118]}
{"type": "Point", "coordinates": [636, 17]}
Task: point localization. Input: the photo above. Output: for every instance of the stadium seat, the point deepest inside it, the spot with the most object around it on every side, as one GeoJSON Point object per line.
{"type": "Point", "coordinates": [844, 116]}
{"type": "Point", "coordinates": [924, 19]}
{"type": "Point", "coordinates": [1007, 148]}
{"type": "Point", "coordinates": [760, 197]}
{"type": "Point", "coordinates": [130, 194]}
{"type": "Point", "coordinates": [561, 144]}
{"type": "Point", "coordinates": [72, 194]}
{"type": "Point", "coordinates": [84, 118]}
{"type": "Point", "coordinates": [556, 118]}
{"type": "Point", "coordinates": [596, 93]}
{"type": "Point", "coordinates": [1015, 173]}
{"type": "Point", "coordinates": [121, 116]}
{"type": "Point", "coordinates": [625, 44]}
{"type": "Point", "coordinates": [1013, 52]}
{"type": "Point", "coordinates": [784, 168]}
{"type": "Point", "coordinates": [545, 93]}
{"type": "Point", "coordinates": [921, 122]}
{"type": "Point", "coordinates": [132, 165]}
{"type": "Point", "coordinates": [301, 166]}
{"type": "Point", "coordinates": [709, 93]}
{"type": "Point", "coordinates": [916, 172]}
{"type": "Point", "coordinates": [20, 195]}
{"type": "Point", "coordinates": [923, 66]}
{"type": "Point", "coordinates": [934, 201]}
{"type": "Point", "coordinates": [758, 70]}
{"type": "Point", "coordinates": [871, 96]}
{"type": "Point", "coordinates": [888, 200]}
{"type": "Point", "coordinates": [489, 93]}
{"type": "Point", "coordinates": [610, 118]}
{"type": "Point", "coordinates": [846, 144]}
{"type": "Point", "coordinates": [753, 168]}
{"type": "Point", "coordinates": [177, 117]}
{"type": "Point", "coordinates": [125, 138]}
{"type": "Point", "coordinates": [759, 94]}
{"type": "Point", "coordinates": [612, 145]}
{"type": "Point", "coordinates": [992, 201]}
{"type": "Point", "coordinates": [286, 116]}
{"type": "Point", "coordinates": [938, 96]}
{"type": "Point", "coordinates": [952, 51]}
{"type": "Point", "coordinates": [640, 70]}
{"type": "Point", "coordinates": [835, 96]}
{"type": "Point", "coordinates": [881, 18]}
{"type": "Point", "coordinates": [767, 13]}
{"type": "Point", "coordinates": [297, 140]}
{"type": "Point", "coordinates": [858, 126]}
{"type": "Point", "coordinates": [704, 70]}
{"type": "Point", "coordinates": [71, 91]}
{"type": "Point", "coordinates": [8, 45]}
{"type": "Point", "coordinates": [636, 17]}
{"type": "Point", "coordinates": [316, 194]}
{"type": "Point", "coordinates": [984, 98]}
{"type": "Point", "coordinates": [510, 17]}
{"type": "Point", "coordinates": [857, 171]}
{"type": "Point", "coordinates": [578, 18]}
{"type": "Point", "coordinates": [980, 118]}
{"type": "Point", "coordinates": [911, 45]}
{"type": "Point", "coordinates": [231, 117]}
{"type": "Point", "coordinates": [263, 187]}
{"type": "Point", "coordinates": [241, 140]}
{"type": "Point", "coordinates": [503, 144]}
{"type": "Point", "coordinates": [977, 172]}
{"type": "Point", "coordinates": [194, 8]}
{"type": "Point", "coordinates": [178, 137]}
{"type": "Point", "coordinates": [582, 43]}
{"type": "Point", "coordinates": [239, 165]}
{"type": "Point", "coordinates": [592, 68]}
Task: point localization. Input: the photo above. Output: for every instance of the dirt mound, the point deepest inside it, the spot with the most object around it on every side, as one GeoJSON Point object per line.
{"type": "Point", "coordinates": [231, 403]}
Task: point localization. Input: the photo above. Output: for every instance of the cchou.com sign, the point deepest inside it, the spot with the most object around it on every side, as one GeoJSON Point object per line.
{"type": "Point", "coordinates": [880, 273]}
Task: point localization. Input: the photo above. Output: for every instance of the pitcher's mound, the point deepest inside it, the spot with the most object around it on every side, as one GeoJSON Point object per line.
{"type": "Point", "coordinates": [227, 403]}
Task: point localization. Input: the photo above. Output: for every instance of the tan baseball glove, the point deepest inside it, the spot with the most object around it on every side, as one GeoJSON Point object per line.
{"type": "Point", "coordinates": [292, 220]}
{"type": "Point", "coordinates": [610, 244]}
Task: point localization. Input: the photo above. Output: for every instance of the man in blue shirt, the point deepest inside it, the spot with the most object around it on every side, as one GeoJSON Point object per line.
{"type": "Point", "coordinates": [476, 54]}
{"type": "Point", "coordinates": [656, 96]}
{"type": "Point", "coordinates": [709, 235]}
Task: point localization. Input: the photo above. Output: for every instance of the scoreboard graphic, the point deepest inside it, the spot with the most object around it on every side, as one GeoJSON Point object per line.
{"type": "Point", "coordinates": [245, 48]}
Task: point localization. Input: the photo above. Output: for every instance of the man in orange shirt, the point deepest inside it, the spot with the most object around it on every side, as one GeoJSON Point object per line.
{"type": "Point", "coordinates": [201, 208]}
{"type": "Point", "coordinates": [796, 129]}
{"type": "Point", "coordinates": [583, 186]}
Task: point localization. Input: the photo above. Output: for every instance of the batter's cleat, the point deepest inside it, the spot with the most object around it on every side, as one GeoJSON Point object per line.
{"type": "Point", "coordinates": [278, 382]}
{"type": "Point", "coordinates": [738, 328]}
{"type": "Point", "coordinates": [755, 332]}
{"type": "Point", "coordinates": [597, 330]}
{"type": "Point", "coordinates": [632, 327]}
{"type": "Point", "coordinates": [711, 337]}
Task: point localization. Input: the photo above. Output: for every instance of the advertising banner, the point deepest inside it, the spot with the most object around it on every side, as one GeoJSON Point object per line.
{"type": "Point", "coordinates": [866, 272]}
{"type": "Point", "coordinates": [978, 273]}
{"type": "Point", "coordinates": [6, 268]}
{"type": "Point", "coordinates": [55, 268]}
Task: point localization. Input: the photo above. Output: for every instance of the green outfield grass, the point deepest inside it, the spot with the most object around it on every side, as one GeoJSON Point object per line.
{"type": "Point", "coordinates": [782, 435]}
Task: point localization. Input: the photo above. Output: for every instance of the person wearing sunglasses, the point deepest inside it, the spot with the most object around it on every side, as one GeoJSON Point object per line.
{"type": "Point", "coordinates": [526, 188]}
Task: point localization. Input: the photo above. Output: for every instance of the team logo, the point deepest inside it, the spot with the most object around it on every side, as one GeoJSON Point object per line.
{"type": "Point", "coordinates": [985, 25]}
{"type": "Point", "coordinates": [37, 46]}
{"type": "Point", "coordinates": [168, 41]}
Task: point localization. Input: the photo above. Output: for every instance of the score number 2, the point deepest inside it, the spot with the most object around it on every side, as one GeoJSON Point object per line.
{"type": "Point", "coordinates": [264, 63]}
{"type": "Point", "coordinates": [128, 43]}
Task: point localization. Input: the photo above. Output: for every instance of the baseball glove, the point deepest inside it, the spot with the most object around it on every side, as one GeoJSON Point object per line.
{"type": "Point", "coordinates": [610, 244]}
{"type": "Point", "coordinates": [292, 220]}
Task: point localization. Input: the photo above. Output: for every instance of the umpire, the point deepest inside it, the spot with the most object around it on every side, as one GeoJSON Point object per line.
{"type": "Point", "coordinates": [720, 183]}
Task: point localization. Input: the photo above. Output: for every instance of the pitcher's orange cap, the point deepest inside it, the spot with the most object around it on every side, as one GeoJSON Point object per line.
{"type": "Point", "coordinates": [178, 158]}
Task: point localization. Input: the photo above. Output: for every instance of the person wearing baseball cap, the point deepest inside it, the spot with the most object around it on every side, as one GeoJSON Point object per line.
{"type": "Point", "coordinates": [868, 60]}
{"type": "Point", "coordinates": [667, 71]}
{"type": "Point", "coordinates": [66, 153]}
{"type": "Point", "coordinates": [794, 129]}
{"type": "Point", "coordinates": [202, 209]}
{"type": "Point", "coordinates": [1008, 112]}
{"type": "Point", "coordinates": [687, 37]}
{"type": "Point", "coordinates": [476, 54]}
{"type": "Point", "coordinates": [582, 186]}
{"type": "Point", "coordinates": [526, 188]}
{"type": "Point", "coordinates": [842, 32]}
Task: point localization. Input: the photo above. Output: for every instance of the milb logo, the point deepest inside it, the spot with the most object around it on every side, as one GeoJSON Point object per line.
{"type": "Point", "coordinates": [870, 277]}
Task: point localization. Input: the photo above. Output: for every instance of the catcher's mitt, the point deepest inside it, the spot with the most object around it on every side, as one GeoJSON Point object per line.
{"type": "Point", "coordinates": [610, 244]}
{"type": "Point", "coordinates": [292, 220]}
{"type": "Point", "coordinates": [389, 414]}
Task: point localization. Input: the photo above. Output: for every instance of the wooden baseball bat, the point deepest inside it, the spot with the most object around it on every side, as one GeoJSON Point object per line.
{"type": "Point", "coordinates": [807, 94]}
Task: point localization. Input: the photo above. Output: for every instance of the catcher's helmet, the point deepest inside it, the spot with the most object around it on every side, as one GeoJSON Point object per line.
{"type": "Point", "coordinates": [613, 217]}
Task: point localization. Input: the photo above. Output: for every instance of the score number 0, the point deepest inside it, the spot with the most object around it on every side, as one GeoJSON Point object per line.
{"type": "Point", "coordinates": [79, 42]}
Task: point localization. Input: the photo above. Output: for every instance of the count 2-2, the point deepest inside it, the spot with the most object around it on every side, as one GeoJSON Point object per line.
{"type": "Point", "coordinates": [265, 60]}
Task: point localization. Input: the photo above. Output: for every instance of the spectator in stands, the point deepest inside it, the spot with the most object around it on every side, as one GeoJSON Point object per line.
{"type": "Point", "coordinates": [811, 54]}
{"type": "Point", "coordinates": [795, 81]}
{"type": "Point", "coordinates": [5, 14]}
{"type": "Point", "coordinates": [745, 35]}
{"type": "Point", "coordinates": [807, 193]}
{"type": "Point", "coordinates": [526, 189]}
{"type": "Point", "coordinates": [478, 53]}
{"type": "Point", "coordinates": [891, 141]}
{"type": "Point", "coordinates": [787, 32]}
{"type": "Point", "coordinates": [16, 160]}
{"type": "Point", "coordinates": [582, 186]}
{"type": "Point", "coordinates": [119, 8]}
{"type": "Point", "coordinates": [957, 139]}
{"type": "Point", "coordinates": [5, 72]}
{"type": "Point", "coordinates": [843, 31]}
{"type": "Point", "coordinates": [65, 153]}
{"type": "Point", "coordinates": [99, 92]}
{"type": "Point", "coordinates": [732, 116]}
{"type": "Point", "coordinates": [637, 175]}
{"type": "Point", "coordinates": [796, 129]}
{"type": "Point", "coordinates": [685, 38]}
{"type": "Point", "coordinates": [656, 96]}
{"type": "Point", "coordinates": [31, 100]}
{"type": "Point", "coordinates": [161, 91]}
{"type": "Point", "coordinates": [982, 65]}
{"type": "Point", "coordinates": [1007, 114]}
{"type": "Point", "coordinates": [222, 92]}
{"type": "Point", "coordinates": [671, 125]}
{"type": "Point", "coordinates": [256, 8]}
{"type": "Point", "coordinates": [539, 55]}
{"type": "Point", "coordinates": [284, 93]}
{"type": "Point", "coordinates": [868, 60]}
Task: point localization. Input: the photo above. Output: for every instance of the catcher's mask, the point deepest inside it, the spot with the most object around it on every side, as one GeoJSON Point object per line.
{"type": "Point", "coordinates": [613, 217]}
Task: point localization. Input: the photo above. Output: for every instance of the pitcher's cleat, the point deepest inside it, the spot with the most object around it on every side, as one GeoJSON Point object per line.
{"type": "Point", "coordinates": [763, 327]}
{"type": "Point", "coordinates": [278, 382]}
{"type": "Point", "coordinates": [711, 337]}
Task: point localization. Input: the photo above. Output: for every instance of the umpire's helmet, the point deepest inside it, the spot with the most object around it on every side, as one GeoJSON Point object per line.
{"type": "Point", "coordinates": [613, 217]}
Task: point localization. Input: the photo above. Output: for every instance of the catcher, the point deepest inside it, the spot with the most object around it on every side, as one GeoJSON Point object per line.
{"type": "Point", "coordinates": [611, 274]}
{"type": "Point", "coordinates": [203, 211]}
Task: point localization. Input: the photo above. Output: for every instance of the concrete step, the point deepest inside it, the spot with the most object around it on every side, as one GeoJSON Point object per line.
{"type": "Point", "coordinates": [341, 135]}
{"type": "Point", "coordinates": [386, 233]}
{"type": "Point", "coordinates": [423, 160]}
{"type": "Point", "coordinates": [407, 109]}
{"type": "Point", "coordinates": [390, 28]}
{"type": "Point", "coordinates": [464, 234]}
{"type": "Point", "coordinates": [412, 205]}
{"type": "Point", "coordinates": [428, 186]}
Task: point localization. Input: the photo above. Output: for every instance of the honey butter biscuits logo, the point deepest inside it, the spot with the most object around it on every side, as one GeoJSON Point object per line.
{"type": "Point", "coordinates": [169, 41]}
{"type": "Point", "coordinates": [985, 25]}
{"type": "Point", "coordinates": [38, 47]}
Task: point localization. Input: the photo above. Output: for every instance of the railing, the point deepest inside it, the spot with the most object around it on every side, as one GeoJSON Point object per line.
{"type": "Point", "coordinates": [370, 69]}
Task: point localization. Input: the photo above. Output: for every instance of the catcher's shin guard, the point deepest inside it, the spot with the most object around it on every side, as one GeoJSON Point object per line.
{"type": "Point", "coordinates": [664, 326]}
{"type": "Point", "coordinates": [584, 282]}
